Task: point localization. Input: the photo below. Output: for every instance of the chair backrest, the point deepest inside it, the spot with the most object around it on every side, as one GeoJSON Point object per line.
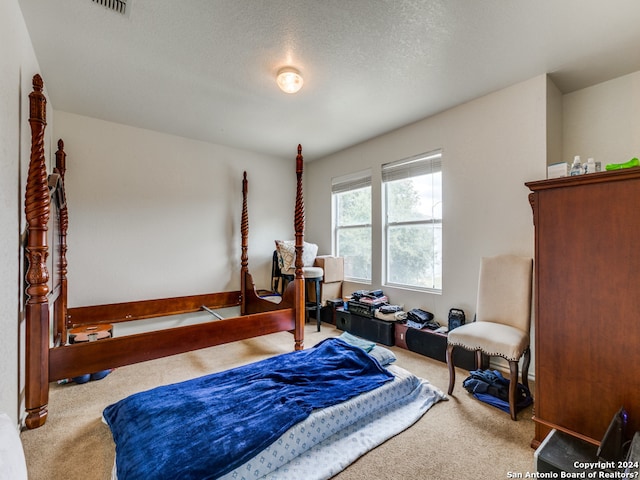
{"type": "Point", "coordinates": [504, 291]}
{"type": "Point", "coordinates": [275, 273]}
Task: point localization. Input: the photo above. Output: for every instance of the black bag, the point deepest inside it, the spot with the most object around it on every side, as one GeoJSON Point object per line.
{"type": "Point", "coordinates": [456, 318]}
{"type": "Point", "coordinates": [419, 316]}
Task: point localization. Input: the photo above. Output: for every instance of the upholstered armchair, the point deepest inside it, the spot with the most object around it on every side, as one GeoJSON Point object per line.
{"type": "Point", "coordinates": [503, 319]}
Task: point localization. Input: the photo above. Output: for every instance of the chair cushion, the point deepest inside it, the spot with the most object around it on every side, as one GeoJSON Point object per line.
{"type": "Point", "coordinates": [308, 272]}
{"type": "Point", "coordinates": [491, 338]}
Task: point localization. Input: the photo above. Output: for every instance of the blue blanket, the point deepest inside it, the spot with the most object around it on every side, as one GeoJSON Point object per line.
{"type": "Point", "coordinates": [205, 427]}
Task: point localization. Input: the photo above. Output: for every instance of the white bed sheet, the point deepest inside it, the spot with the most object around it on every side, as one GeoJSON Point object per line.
{"type": "Point", "coordinates": [332, 438]}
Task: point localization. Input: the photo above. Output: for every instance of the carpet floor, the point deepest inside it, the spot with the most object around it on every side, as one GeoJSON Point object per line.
{"type": "Point", "coordinates": [458, 438]}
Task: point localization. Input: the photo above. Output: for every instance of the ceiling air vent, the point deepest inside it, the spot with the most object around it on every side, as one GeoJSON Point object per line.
{"type": "Point", "coordinates": [119, 6]}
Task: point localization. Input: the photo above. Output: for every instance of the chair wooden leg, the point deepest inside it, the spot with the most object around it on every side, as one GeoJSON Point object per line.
{"type": "Point", "coordinates": [318, 320]}
{"type": "Point", "coordinates": [452, 370]}
{"type": "Point", "coordinates": [525, 367]}
{"type": "Point", "coordinates": [478, 359]}
{"type": "Point", "coordinates": [513, 388]}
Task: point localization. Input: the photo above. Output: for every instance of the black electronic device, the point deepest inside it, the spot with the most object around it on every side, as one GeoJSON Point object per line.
{"type": "Point", "coordinates": [611, 447]}
{"type": "Point", "coordinates": [335, 303]}
{"type": "Point", "coordinates": [456, 318]}
{"type": "Point", "coordinates": [359, 308]}
{"type": "Point", "coordinates": [366, 305]}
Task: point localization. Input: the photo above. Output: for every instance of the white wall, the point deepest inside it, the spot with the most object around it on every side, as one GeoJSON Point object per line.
{"type": "Point", "coordinates": [154, 215]}
{"type": "Point", "coordinates": [603, 121]}
{"type": "Point", "coordinates": [554, 123]}
{"type": "Point", "coordinates": [18, 64]}
{"type": "Point", "coordinates": [491, 146]}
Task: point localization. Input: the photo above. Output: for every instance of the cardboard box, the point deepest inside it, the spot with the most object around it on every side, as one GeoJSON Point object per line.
{"type": "Point", "coordinates": [328, 291]}
{"type": "Point", "coordinates": [333, 268]}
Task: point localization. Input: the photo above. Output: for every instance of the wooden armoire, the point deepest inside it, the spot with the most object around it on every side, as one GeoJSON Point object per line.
{"type": "Point", "coordinates": [587, 302]}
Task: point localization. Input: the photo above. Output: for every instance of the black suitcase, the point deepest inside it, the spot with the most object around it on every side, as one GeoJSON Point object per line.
{"type": "Point", "coordinates": [373, 329]}
{"type": "Point", "coordinates": [434, 345]}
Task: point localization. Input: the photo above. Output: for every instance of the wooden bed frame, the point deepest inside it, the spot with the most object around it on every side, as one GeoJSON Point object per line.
{"type": "Point", "coordinates": [48, 355]}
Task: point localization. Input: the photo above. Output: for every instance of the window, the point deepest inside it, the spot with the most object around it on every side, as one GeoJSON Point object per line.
{"type": "Point", "coordinates": [413, 221]}
{"type": "Point", "coordinates": [351, 198]}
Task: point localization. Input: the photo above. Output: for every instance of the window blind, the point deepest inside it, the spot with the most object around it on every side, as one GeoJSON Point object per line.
{"type": "Point", "coordinates": [423, 164]}
{"type": "Point", "coordinates": [352, 181]}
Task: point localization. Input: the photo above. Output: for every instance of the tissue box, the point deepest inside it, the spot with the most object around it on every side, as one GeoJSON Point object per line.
{"type": "Point", "coordinates": [558, 170]}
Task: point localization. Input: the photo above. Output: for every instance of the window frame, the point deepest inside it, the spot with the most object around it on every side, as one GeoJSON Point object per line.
{"type": "Point", "coordinates": [427, 163]}
{"type": "Point", "coordinates": [344, 184]}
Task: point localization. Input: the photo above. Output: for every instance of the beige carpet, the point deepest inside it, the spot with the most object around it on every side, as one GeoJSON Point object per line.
{"type": "Point", "coordinates": [459, 438]}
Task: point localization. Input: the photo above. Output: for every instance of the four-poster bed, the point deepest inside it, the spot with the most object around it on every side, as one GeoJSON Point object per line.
{"type": "Point", "coordinates": [303, 414]}
{"type": "Point", "coordinates": [49, 357]}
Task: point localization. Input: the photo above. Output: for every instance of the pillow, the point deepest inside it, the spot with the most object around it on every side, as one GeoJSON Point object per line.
{"type": "Point", "coordinates": [366, 345]}
{"type": "Point", "coordinates": [287, 254]}
{"type": "Point", "coordinates": [12, 462]}
{"type": "Point", "coordinates": [384, 356]}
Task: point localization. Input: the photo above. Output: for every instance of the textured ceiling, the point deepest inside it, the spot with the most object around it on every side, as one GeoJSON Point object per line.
{"type": "Point", "coordinates": [205, 69]}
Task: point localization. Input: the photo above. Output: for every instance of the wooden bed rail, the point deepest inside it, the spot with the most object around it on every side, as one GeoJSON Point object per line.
{"type": "Point", "coordinates": [130, 349]}
{"type": "Point", "coordinates": [143, 309]}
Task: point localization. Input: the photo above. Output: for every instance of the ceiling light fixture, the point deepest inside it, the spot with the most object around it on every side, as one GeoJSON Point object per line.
{"type": "Point", "coordinates": [289, 80]}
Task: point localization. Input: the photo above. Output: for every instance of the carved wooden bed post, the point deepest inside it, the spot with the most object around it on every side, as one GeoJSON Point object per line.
{"type": "Point", "coordinates": [37, 206]}
{"type": "Point", "coordinates": [60, 307]}
{"type": "Point", "coordinates": [244, 258]}
{"type": "Point", "coordinates": [299, 304]}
